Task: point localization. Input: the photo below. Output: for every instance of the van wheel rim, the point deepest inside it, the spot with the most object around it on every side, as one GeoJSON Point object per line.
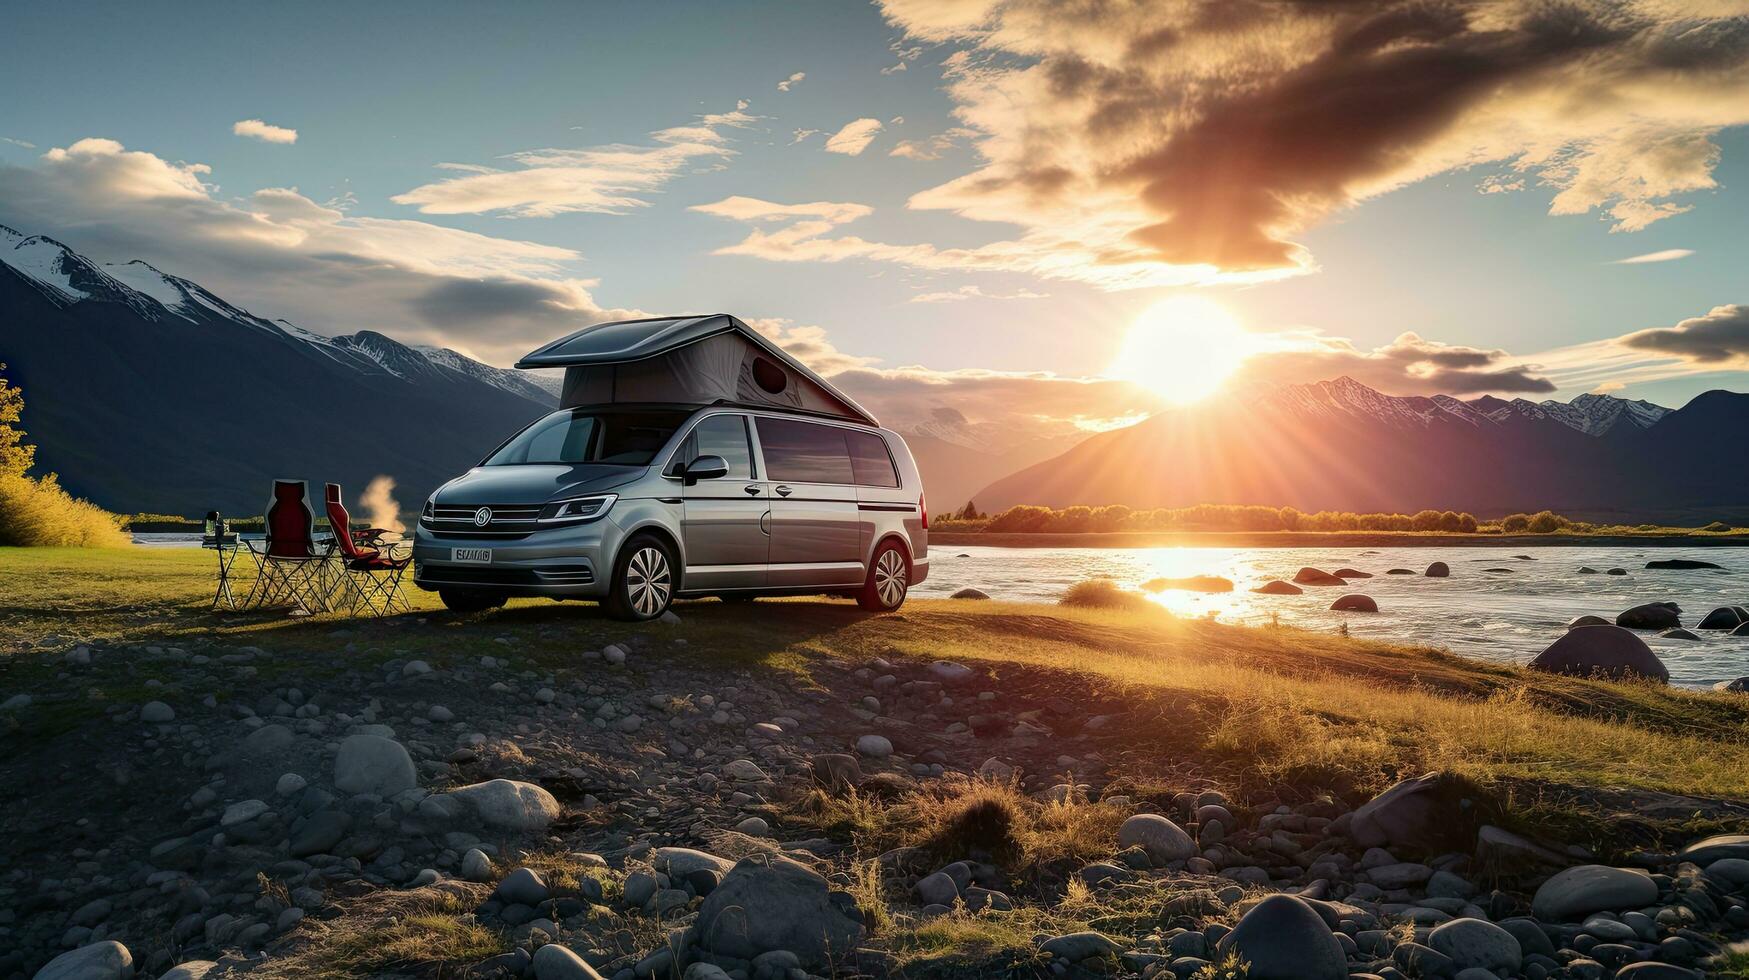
{"type": "Point", "coordinates": [890, 578]}
{"type": "Point", "coordinates": [648, 581]}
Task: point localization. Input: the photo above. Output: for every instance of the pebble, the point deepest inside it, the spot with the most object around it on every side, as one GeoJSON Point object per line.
{"type": "Point", "coordinates": [157, 713]}
{"type": "Point", "coordinates": [875, 746]}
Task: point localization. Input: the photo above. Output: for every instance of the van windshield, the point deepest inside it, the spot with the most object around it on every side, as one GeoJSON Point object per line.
{"type": "Point", "coordinates": [584, 436]}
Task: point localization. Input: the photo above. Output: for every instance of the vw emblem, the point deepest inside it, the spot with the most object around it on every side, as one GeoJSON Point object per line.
{"type": "Point", "coordinates": [482, 517]}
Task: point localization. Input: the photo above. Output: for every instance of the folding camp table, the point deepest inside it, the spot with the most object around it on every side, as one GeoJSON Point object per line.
{"type": "Point", "coordinates": [227, 548]}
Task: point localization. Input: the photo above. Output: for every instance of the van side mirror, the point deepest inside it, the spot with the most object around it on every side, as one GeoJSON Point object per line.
{"type": "Point", "coordinates": [706, 468]}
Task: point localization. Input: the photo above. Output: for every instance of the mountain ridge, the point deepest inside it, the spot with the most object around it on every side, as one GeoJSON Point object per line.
{"type": "Point", "coordinates": [146, 391]}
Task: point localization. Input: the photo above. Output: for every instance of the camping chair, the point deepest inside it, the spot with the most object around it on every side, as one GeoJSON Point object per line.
{"type": "Point", "coordinates": [293, 568]}
{"type": "Point", "coordinates": [371, 568]}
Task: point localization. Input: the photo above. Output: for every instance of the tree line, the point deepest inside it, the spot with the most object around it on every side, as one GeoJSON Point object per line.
{"type": "Point", "coordinates": [1030, 518]}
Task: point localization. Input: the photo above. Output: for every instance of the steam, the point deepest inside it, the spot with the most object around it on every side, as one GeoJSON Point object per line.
{"type": "Point", "coordinates": [379, 500]}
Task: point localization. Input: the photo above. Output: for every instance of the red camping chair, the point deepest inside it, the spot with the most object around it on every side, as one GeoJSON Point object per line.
{"type": "Point", "coordinates": [372, 569]}
{"type": "Point", "coordinates": [293, 567]}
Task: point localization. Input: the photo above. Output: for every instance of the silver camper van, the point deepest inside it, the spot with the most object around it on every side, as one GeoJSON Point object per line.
{"type": "Point", "coordinates": [689, 457]}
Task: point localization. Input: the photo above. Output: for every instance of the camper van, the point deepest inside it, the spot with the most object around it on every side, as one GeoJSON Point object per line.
{"type": "Point", "coordinates": [689, 457]}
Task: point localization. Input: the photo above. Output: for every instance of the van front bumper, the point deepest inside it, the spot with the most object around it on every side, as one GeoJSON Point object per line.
{"type": "Point", "coordinates": [563, 562]}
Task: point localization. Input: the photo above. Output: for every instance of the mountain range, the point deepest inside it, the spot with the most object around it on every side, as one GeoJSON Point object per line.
{"type": "Point", "coordinates": [146, 392]}
{"type": "Point", "coordinates": [1340, 445]}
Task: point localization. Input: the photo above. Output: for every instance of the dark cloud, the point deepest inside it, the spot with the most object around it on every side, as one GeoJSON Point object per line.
{"type": "Point", "coordinates": [1719, 336]}
{"type": "Point", "coordinates": [1208, 134]}
{"type": "Point", "coordinates": [1409, 365]}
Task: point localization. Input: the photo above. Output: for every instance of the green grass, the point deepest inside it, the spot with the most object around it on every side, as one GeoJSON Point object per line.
{"type": "Point", "coordinates": [1237, 706]}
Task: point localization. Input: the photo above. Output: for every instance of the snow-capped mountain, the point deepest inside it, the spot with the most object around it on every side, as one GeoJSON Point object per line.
{"type": "Point", "coordinates": [147, 391]}
{"type": "Point", "coordinates": [1591, 414]}
{"type": "Point", "coordinates": [1339, 445]}
{"type": "Point", "coordinates": [65, 277]}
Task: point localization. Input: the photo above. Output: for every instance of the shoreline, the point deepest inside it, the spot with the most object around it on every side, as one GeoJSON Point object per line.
{"type": "Point", "coordinates": [1322, 539]}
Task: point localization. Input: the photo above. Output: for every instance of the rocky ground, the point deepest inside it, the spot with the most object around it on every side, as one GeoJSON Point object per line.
{"type": "Point", "coordinates": [557, 796]}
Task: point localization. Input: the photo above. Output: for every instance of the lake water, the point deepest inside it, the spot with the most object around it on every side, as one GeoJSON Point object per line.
{"type": "Point", "coordinates": [1506, 617]}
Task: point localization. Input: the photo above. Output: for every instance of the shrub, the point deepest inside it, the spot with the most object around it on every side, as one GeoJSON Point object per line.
{"type": "Point", "coordinates": [38, 513]}
{"type": "Point", "coordinates": [1515, 523]}
{"type": "Point", "coordinates": [1101, 593]}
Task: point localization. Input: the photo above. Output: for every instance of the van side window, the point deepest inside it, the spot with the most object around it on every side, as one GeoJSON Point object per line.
{"type": "Point", "coordinates": [720, 435]}
{"type": "Point", "coordinates": [803, 452]}
{"type": "Point", "coordinates": [871, 460]}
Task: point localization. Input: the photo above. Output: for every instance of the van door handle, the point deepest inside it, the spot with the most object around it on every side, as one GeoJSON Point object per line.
{"type": "Point", "coordinates": [783, 491]}
{"type": "Point", "coordinates": [752, 491]}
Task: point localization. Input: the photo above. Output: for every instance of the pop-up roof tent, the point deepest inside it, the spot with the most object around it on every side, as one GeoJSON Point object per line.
{"type": "Point", "coordinates": [688, 360]}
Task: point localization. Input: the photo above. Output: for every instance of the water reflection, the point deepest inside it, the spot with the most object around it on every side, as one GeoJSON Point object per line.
{"type": "Point", "coordinates": [1509, 615]}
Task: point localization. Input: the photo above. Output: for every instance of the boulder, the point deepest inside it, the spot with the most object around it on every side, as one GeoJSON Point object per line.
{"type": "Point", "coordinates": [679, 862]}
{"type": "Point", "coordinates": [1587, 570]}
{"type": "Point", "coordinates": [1479, 944]}
{"type": "Point", "coordinates": [1438, 569]}
{"type": "Point", "coordinates": [1681, 563]}
{"type": "Point", "coordinates": [319, 832]}
{"type": "Point", "coordinates": [874, 746]}
{"type": "Point", "coordinates": [1278, 587]}
{"type": "Point", "coordinates": [1738, 686]}
{"type": "Point", "coordinates": [1316, 576]}
{"type": "Point", "coordinates": [373, 764]}
{"type": "Point", "coordinates": [1350, 573]}
{"type": "Point", "coordinates": [524, 886]}
{"type": "Point", "coordinates": [970, 593]}
{"type": "Point", "coordinates": [767, 903]}
{"type": "Point", "coordinates": [949, 672]}
{"type": "Point", "coordinates": [1429, 814]}
{"type": "Point", "coordinates": [1651, 616]}
{"type": "Point", "coordinates": [1399, 571]}
{"type": "Point", "coordinates": [108, 960]}
{"type": "Point", "coordinates": [1500, 851]}
{"type": "Point", "coordinates": [506, 804]}
{"type": "Point", "coordinates": [1655, 971]}
{"type": "Point", "coordinates": [1742, 630]}
{"type": "Point", "coordinates": [189, 970]}
{"type": "Point", "coordinates": [1077, 946]}
{"type": "Point", "coordinates": [1678, 633]}
{"type": "Point", "coordinates": [1587, 621]}
{"type": "Point", "coordinates": [1355, 602]}
{"type": "Point", "coordinates": [1722, 618]}
{"type": "Point", "coordinates": [836, 770]}
{"type": "Point", "coordinates": [157, 713]}
{"type": "Point", "coordinates": [1601, 651]}
{"type": "Point", "coordinates": [1715, 848]}
{"type": "Point", "coordinates": [1284, 938]}
{"type": "Point", "coordinates": [555, 962]}
{"type": "Point", "coordinates": [1164, 840]}
{"type": "Point", "coordinates": [1575, 893]}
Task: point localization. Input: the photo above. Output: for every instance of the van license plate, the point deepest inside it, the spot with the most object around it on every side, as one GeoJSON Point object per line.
{"type": "Point", "coordinates": [475, 556]}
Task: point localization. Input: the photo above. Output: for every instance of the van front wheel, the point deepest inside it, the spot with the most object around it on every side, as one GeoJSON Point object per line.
{"type": "Point", "coordinates": [643, 580]}
{"type": "Point", "coordinates": [889, 578]}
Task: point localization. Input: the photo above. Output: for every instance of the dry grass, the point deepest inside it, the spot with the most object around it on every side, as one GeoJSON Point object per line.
{"type": "Point", "coordinates": [39, 514]}
{"type": "Point", "coordinates": [983, 820]}
{"type": "Point", "coordinates": [419, 930]}
{"type": "Point", "coordinates": [1102, 593]}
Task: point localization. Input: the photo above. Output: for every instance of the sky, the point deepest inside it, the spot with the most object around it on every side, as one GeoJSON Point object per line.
{"type": "Point", "coordinates": [958, 208]}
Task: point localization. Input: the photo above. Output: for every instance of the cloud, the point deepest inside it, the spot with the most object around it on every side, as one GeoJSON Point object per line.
{"type": "Point", "coordinates": [802, 134]}
{"type": "Point", "coordinates": [1408, 365]}
{"type": "Point", "coordinates": [1206, 137]}
{"type": "Point", "coordinates": [281, 254]}
{"type": "Point", "coordinates": [1667, 255]}
{"type": "Point", "coordinates": [1717, 338]}
{"type": "Point", "coordinates": [810, 233]}
{"type": "Point", "coordinates": [15, 142]}
{"type": "Point", "coordinates": [973, 292]}
{"type": "Point", "coordinates": [611, 179]}
{"type": "Point", "coordinates": [1608, 388]}
{"type": "Point", "coordinates": [265, 132]}
{"type": "Point", "coordinates": [1003, 408]}
{"type": "Point", "coordinates": [931, 147]}
{"type": "Point", "coordinates": [854, 137]}
{"type": "Point", "coordinates": [792, 81]}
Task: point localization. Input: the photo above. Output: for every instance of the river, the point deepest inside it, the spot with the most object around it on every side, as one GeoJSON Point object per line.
{"type": "Point", "coordinates": [1508, 617]}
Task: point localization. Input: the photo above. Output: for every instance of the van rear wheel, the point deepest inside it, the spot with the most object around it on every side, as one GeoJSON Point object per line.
{"type": "Point", "coordinates": [889, 578]}
{"type": "Point", "coordinates": [644, 580]}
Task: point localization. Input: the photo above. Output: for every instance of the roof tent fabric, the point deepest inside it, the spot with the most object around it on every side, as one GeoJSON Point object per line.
{"type": "Point", "coordinates": [700, 360]}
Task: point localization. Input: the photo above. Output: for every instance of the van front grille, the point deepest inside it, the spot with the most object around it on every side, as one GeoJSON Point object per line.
{"type": "Point", "coordinates": [464, 519]}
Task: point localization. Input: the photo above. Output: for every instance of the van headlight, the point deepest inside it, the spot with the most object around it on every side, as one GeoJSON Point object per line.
{"type": "Point", "coordinates": [428, 516]}
{"type": "Point", "coordinates": [577, 509]}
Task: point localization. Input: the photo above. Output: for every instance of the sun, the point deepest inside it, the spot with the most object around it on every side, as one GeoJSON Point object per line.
{"type": "Point", "coordinates": [1183, 349]}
